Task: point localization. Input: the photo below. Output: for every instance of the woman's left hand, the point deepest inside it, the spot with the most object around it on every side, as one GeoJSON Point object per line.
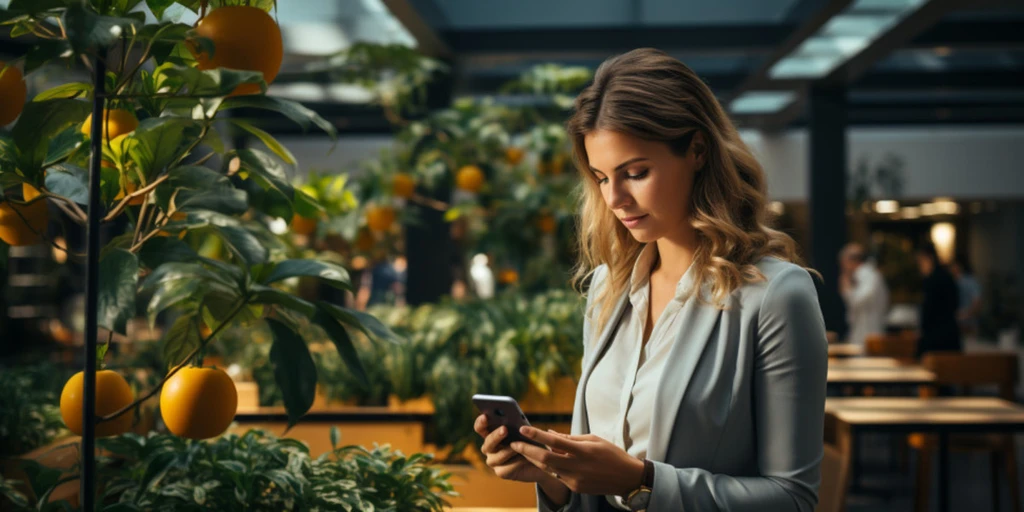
{"type": "Point", "coordinates": [586, 464]}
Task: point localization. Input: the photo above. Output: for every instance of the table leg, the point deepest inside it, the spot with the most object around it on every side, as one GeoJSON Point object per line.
{"type": "Point", "coordinates": [845, 441]}
{"type": "Point", "coordinates": [943, 472]}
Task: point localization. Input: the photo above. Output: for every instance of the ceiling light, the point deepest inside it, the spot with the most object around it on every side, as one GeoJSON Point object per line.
{"type": "Point", "coordinates": [910, 212]}
{"type": "Point", "coordinates": [761, 102]}
{"type": "Point", "coordinates": [887, 206]}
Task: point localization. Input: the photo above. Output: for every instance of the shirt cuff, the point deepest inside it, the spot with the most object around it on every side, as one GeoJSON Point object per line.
{"type": "Point", "coordinates": [544, 504]}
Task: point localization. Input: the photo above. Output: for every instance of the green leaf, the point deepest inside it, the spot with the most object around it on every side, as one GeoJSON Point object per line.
{"type": "Point", "coordinates": [69, 181]}
{"type": "Point", "coordinates": [211, 82]}
{"type": "Point", "coordinates": [72, 90]}
{"type": "Point", "coordinates": [294, 370]}
{"type": "Point", "coordinates": [123, 7]}
{"type": "Point", "coordinates": [266, 295]}
{"type": "Point", "coordinates": [362, 321]}
{"type": "Point", "coordinates": [335, 437]}
{"type": "Point", "coordinates": [267, 139]}
{"type": "Point", "coordinates": [42, 478]}
{"type": "Point", "coordinates": [172, 293]}
{"type": "Point", "coordinates": [231, 201]}
{"type": "Point", "coordinates": [266, 171]}
{"type": "Point", "coordinates": [161, 141]}
{"type": "Point", "coordinates": [243, 245]}
{"type": "Point", "coordinates": [119, 275]}
{"type": "Point", "coordinates": [165, 249]}
{"type": "Point", "coordinates": [342, 342]}
{"type": "Point", "coordinates": [39, 123]}
{"type": "Point", "coordinates": [159, 6]}
{"type": "Point", "coordinates": [270, 177]}
{"type": "Point", "coordinates": [45, 51]}
{"type": "Point", "coordinates": [63, 145]}
{"type": "Point", "coordinates": [89, 33]}
{"type": "Point", "coordinates": [181, 339]}
{"type": "Point", "coordinates": [306, 206]}
{"type": "Point", "coordinates": [301, 115]}
{"type": "Point", "coordinates": [333, 274]}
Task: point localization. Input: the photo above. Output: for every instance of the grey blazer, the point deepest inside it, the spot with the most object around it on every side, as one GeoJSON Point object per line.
{"type": "Point", "coordinates": [739, 411]}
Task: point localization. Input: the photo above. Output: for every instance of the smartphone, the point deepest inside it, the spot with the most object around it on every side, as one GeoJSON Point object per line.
{"type": "Point", "coordinates": [504, 411]}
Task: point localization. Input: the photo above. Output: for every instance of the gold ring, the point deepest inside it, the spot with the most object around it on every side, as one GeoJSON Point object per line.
{"type": "Point", "coordinates": [552, 473]}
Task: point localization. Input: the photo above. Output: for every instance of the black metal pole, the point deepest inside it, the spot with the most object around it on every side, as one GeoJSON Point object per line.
{"type": "Point", "coordinates": [92, 248]}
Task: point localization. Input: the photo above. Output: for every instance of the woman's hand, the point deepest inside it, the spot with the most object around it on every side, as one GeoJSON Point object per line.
{"type": "Point", "coordinates": [585, 464]}
{"type": "Point", "coordinates": [505, 462]}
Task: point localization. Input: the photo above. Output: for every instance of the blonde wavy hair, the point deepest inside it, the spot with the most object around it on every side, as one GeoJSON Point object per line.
{"type": "Point", "coordinates": [650, 95]}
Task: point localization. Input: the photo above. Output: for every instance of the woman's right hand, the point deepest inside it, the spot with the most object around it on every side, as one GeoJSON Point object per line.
{"type": "Point", "coordinates": [505, 462]}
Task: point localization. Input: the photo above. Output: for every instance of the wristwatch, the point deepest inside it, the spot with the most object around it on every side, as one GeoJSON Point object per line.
{"type": "Point", "coordinates": [638, 500]}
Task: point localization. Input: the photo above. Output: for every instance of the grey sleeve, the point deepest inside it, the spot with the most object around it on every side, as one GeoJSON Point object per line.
{"type": "Point", "coordinates": [789, 407]}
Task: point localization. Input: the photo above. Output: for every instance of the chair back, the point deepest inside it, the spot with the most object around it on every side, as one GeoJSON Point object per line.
{"type": "Point", "coordinates": [831, 492]}
{"type": "Point", "coordinates": [997, 369]}
{"type": "Point", "coordinates": [901, 346]}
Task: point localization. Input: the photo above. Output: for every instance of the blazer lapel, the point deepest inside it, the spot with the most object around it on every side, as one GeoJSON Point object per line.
{"type": "Point", "coordinates": [581, 424]}
{"type": "Point", "coordinates": [697, 320]}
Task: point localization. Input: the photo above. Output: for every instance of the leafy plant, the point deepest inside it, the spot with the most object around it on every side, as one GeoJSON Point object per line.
{"type": "Point", "coordinates": [259, 471]}
{"type": "Point", "coordinates": [161, 176]}
{"type": "Point", "coordinates": [30, 417]}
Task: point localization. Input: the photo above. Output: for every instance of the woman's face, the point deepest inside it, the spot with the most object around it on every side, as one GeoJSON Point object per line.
{"type": "Point", "coordinates": [643, 182]}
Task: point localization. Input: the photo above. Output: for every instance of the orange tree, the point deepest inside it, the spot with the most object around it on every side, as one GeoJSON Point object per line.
{"type": "Point", "coordinates": [165, 172]}
{"type": "Point", "coordinates": [503, 169]}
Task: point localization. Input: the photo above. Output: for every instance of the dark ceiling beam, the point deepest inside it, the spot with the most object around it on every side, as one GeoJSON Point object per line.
{"type": "Point", "coordinates": [699, 38]}
{"type": "Point", "coordinates": [904, 31]}
{"type": "Point", "coordinates": [725, 83]}
{"type": "Point", "coordinates": [994, 34]}
{"type": "Point", "coordinates": [420, 17]}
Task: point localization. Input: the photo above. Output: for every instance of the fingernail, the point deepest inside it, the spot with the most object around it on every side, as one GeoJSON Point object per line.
{"type": "Point", "coordinates": [502, 431]}
{"type": "Point", "coordinates": [524, 431]}
{"type": "Point", "coordinates": [516, 446]}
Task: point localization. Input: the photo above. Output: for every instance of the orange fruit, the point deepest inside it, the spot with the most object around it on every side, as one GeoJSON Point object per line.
{"type": "Point", "coordinates": [403, 185]}
{"type": "Point", "coordinates": [116, 123]}
{"type": "Point", "coordinates": [302, 225]}
{"type": "Point", "coordinates": [380, 218]}
{"type": "Point", "coordinates": [514, 155]}
{"type": "Point", "coordinates": [15, 231]}
{"type": "Point", "coordinates": [29, 192]}
{"type": "Point", "coordinates": [198, 403]}
{"type": "Point", "coordinates": [13, 93]}
{"type": "Point", "coordinates": [176, 216]}
{"type": "Point", "coordinates": [365, 241]}
{"type": "Point", "coordinates": [244, 38]}
{"type": "Point", "coordinates": [470, 178]}
{"type": "Point", "coordinates": [547, 224]}
{"type": "Point", "coordinates": [508, 276]}
{"type": "Point", "coordinates": [112, 394]}
{"type": "Point", "coordinates": [129, 188]}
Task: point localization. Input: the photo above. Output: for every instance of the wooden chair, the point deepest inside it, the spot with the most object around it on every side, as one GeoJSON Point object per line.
{"type": "Point", "coordinates": [901, 346]}
{"type": "Point", "coordinates": [832, 337]}
{"type": "Point", "coordinates": [968, 371]}
{"type": "Point", "coordinates": [832, 492]}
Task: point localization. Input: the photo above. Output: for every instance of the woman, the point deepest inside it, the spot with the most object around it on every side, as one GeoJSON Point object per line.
{"type": "Point", "coordinates": [940, 300]}
{"type": "Point", "coordinates": [695, 398]}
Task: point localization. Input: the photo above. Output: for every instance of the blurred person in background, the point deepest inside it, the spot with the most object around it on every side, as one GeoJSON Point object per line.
{"type": "Point", "coordinates": [940, 302]}
{"type": "Point", "coordinates": [970, 297]}
{"type": "Point", "coordinates": [863, 290]}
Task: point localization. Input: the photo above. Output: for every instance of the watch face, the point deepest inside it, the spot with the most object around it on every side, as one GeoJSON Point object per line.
{"type": "Point", "coordinates": [640, 500]}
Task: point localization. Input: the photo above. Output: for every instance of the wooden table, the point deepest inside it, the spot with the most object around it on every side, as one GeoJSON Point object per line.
{"type": "Point", "coordinates": [845, 350]}
{"type": "Point", "coordinates": [908, 375]}
{"type": "Point", "coordinates": [943, 416]}
{"type": "Point", "coordinates": [878, 363]}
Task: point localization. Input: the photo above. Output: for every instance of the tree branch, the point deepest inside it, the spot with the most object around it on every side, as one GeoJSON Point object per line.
{"type": "Point", "coordinates": [127, 199]}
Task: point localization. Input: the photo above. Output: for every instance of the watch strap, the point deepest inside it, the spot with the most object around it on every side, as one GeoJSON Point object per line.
{"type": "Point", "coordinates": [648, 474]}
